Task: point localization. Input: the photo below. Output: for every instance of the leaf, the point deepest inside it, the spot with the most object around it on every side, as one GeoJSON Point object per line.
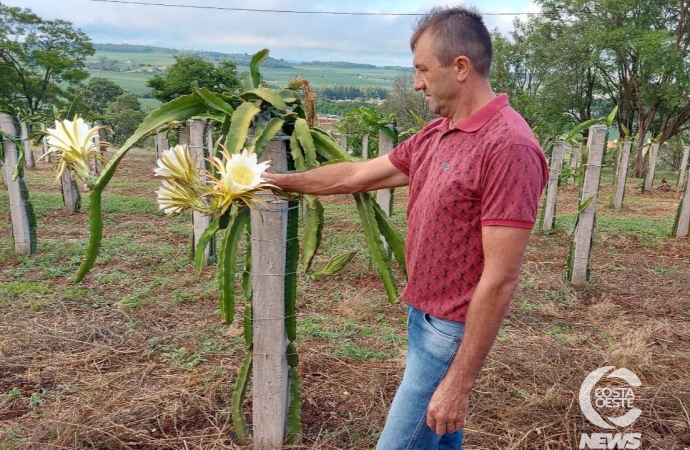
{"type": "Point", "coordinates": [95, 235]}
{"type": "Point", "coordinates": [290, 96]}
{"type": "Point", "coordinates": [291, 355]}
{"type": "Point", "coordinates": [8, 108]}
{"type": "Point", "coordinates": [212, 99]}
{"type": "Point", "coordinates": [421, 122]}
{"type": "Point", "coordinates": [294, 415]}
{"type": "Point", "coordinates": [257, 59]}
{"type": "Point", "coordinates": [239, 127]}
{"type": "Point", "coordinates": [16, 141]}
{"type": "Point", "coordinates": [296, 152]}
{"type": "Point", "coordinates": [391, 234]}
{"type": "Point", "coordinates": [182, 108]}
{"type": "Point", "coordinates": [211, 115]}
{"type": "Point", "coordinates": [247, 274]}
{"type": "Point", "coordinates": [269, 132]}
{"type": "Point", "coordinates": [305, 139]}
{"type": "Point", "coordinates": [267, 95]}
{"type": "Point", "coordinates": [388, 131]}
{"type": "Point", "coordinates": [579, 128]}
{"type": "Point", "coordinates": [205, 237]}
{"type": "Point", "coordinates": [291, 263]}
{"type": "Point", "coordinates": [332, 266]}
{"type": "Point", "coordinates": [584, 205]}
{"type": "Point", "coordinates": [612, 116]}
{"type": "Point", "coordinates": [247, 326]}
{"type": "Point", "coordinates": [239, 424]}
{"type": "Point", "coordinates": [373, 240]}
{"type": "Point", "coordinates": [327, 147]}
{"type": "Point", "coordinates": [227, 263]}
{"type": "Point", "coordinates": [73, 106]}
{"type": "Point", "coordinates": [313, 229]}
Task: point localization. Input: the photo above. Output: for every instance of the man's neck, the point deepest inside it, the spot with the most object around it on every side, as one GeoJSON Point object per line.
{"type": "Point", "coordinates": [472, 100]}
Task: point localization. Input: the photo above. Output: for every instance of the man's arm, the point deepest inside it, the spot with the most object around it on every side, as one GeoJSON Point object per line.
{"type": "Point", "coordinates": [503, 249]}
{"type": "Point", "coordinates": [341, 178]}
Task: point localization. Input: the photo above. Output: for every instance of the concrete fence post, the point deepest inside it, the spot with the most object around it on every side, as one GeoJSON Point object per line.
{"type": "Point", "coordinates": [582, 243]}
{"type": "Point", "coordinates": [549, 217]}
{"type": "Point", "coordinates": [21, 211]}
{"type": "Point", "coordinates": [270, 368]}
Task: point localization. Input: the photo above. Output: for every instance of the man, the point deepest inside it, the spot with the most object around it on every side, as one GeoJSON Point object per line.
{"type": "Point", "coordinates": [475, 176]}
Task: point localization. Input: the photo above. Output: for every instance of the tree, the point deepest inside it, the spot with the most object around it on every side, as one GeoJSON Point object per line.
{"type": "Point", "coordinates": [125, 117]}
{"type": "Point", "coordinates": [38, 57]}
{"type": "Point", "coordinates": [99, 93]}
{"type": "Point", "coordinates": [403, 99]}
{"type": "Point", "coordinates": [549, 72]}
{"type": "Point", "coordinates": [519, 70]}
{"type": "Point", "coordinates": [645, 60]}
{"type": "Point", "coordinates": [178, 80]}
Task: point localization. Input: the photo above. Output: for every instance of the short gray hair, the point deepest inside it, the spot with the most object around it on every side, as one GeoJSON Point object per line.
{"type": "Point", "coordinates": [458, 31]}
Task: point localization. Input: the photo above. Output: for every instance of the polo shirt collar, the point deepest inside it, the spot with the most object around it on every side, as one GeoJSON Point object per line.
{"type": "Point", "coordinates": [481, 117]}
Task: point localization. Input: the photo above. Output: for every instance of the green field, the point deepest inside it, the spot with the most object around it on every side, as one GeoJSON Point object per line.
{"type": "Point", "coordinates": [152, 58]}
{"type": "Point", "coordinates": [321, 76]}
{"type": "Point", "coordinates": [135, 82]}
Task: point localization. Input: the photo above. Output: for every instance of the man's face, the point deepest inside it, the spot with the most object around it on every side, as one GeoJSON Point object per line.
{"type": "Point", "coordinates": [438, 83]}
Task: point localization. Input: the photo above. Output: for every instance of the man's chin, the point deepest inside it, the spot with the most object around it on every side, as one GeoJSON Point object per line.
{"type": "Point", "coordinates": [433, 107]}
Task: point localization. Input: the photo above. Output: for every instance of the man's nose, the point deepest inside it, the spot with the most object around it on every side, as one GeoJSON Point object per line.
{"type": "Point", "coordinates": [418, 82]}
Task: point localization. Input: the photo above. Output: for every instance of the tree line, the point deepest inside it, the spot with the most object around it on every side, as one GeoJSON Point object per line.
{"type": "Point", "coordinates": [579, 59]}
{"type": "Point", "coordinates": [340, 92]}
{"type": "Point", "coordinates": [242, 59]}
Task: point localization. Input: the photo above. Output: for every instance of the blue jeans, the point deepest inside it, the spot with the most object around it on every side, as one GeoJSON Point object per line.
{"type": "Point", "coordinates": [432, 346]}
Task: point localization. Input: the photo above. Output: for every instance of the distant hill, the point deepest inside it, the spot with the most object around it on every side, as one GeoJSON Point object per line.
{"type": "Point", "coordinates": [350, 65]}
{"type": "Point", "coordinates": [241, 59]}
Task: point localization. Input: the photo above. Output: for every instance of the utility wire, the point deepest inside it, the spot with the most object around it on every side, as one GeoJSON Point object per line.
{"type": "Point", "coordinates": [291, 11]}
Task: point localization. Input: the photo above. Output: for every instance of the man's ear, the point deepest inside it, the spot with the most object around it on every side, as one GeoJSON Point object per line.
{"type": "Point", "coordinates": [462, 67]}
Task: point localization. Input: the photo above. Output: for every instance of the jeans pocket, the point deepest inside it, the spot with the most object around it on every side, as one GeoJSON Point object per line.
{"type": "Point", "coordinates": [445, 328]}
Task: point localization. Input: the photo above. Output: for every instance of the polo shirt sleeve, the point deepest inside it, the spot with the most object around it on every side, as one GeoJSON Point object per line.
{"type": "Point", "coordinates": [512, 186]}
{"type": "Point", "coordinates": [401, 156]}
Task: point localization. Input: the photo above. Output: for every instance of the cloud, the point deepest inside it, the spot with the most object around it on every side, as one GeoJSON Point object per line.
{"type": "Point", "coordinates": [380, 40]}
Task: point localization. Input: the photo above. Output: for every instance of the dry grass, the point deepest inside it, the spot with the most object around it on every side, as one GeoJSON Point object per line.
{"type": "Point", "coordinates": [137, 358]}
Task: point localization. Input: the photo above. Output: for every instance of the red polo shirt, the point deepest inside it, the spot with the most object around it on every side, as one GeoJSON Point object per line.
{"type": "Point", "coordinates": [487, 170]}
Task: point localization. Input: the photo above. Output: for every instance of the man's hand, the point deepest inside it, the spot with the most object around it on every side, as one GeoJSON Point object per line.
{"type": "Point", "coordinates": [448, 409]}
{"type": "Point", "coordinates": [503, 250]}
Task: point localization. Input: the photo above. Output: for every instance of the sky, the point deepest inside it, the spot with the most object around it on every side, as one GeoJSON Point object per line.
{"type": "Point", "coordinates": [372, 39]}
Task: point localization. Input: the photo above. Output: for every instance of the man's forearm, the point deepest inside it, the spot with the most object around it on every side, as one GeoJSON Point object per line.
{"type": "Point", "coordinates": [325, 180]}
{"type": "Point", "coordinates": [447, 409]}
{"type": "Point", "coordinates": [341, 178]}
{"type": "Point", "coordinates": [484, 318]}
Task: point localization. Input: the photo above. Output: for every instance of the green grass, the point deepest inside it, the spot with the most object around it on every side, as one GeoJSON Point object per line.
{"type": "Point", "coordinates": [643, 227]}
{"type": "Point", "coordinates": [348, 336]}
{"type": "Point", "coordinates": [23, 290]}
{"type": "Point", "coordinates": [649, 230]}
